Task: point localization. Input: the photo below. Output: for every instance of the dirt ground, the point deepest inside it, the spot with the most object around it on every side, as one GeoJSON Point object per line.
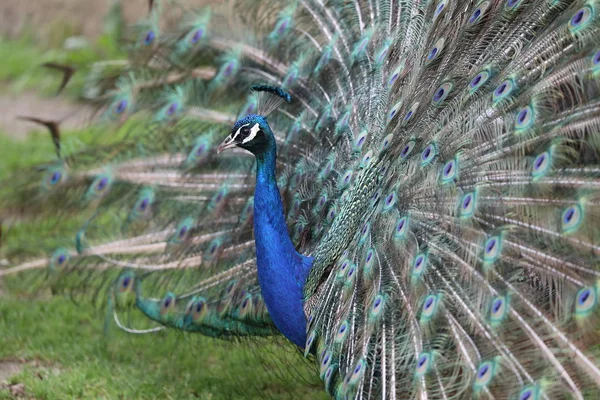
{"type": "Point", "coordinates": [71, 116]}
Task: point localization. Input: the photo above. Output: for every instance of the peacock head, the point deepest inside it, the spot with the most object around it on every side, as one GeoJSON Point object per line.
{"type": "Point", "coordinates": [251, 133]}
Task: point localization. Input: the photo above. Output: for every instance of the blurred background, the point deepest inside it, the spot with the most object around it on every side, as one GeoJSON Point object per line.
{"type": "Point", "coordinates": [55, 347]}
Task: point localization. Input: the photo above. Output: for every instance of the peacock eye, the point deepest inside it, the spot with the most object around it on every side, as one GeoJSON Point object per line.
{"type": "Point", "coordinates": [200, 150]}
{"type": "Point", "coordinates": [422, 364]}
{"type": "Point", "coordinates": [485, 373]}
{"type": "Point", "coordinates": [144, 204]}
{"type": "Point", "coordinates": [478, 80]}
{"type": "Point", "coordinates": [56, 175]}
{"type": "Point", "coordinates": [407, 149]}
{"type": "Point", "coordinates": [183, 231]}
{"type": "Point", "coordinates": [172, 108]}
{"type": "Point", "coordinates": [512, 3]}
{"type": "Point", "coordinates": [580, 18]}
{"type": "Point", "coordinates": [503, 90]}
{"type": "Point", "coordinates": [196, 36]}
{"type": "Point", "coordinates": [572, 218]}
{"type": "Point", "coordinates": [450, 171]}
{"type": "Point", "coordinates": [440, 8]}
{"type": "Point", "coordinates": [541, 164]}
{"type": "Point", "coordinates": [149, 38]}
{"type": "Point", "coordinates": [441, 93]}
{"type": "Point", "coordinates": [529, 393]}
{"type": "Point", "coordinates": [492, 249]}
{"type": "Point", "coordinates": [102, 183]}
{"type": "Point", "coordinates": [596, 58]}
{"type": "Point", "coordinates": [435, 51]}
{"type": "Point", "coordinates": [121, 106]}
{"type": "Point", "coordinates": [467, 205]}
{"type": "Point", "coordinates": [478, 13]}
{"type": "Point", "coordinates": [586, 301]}
{"type": "Point", "coordinates": [428, 154]}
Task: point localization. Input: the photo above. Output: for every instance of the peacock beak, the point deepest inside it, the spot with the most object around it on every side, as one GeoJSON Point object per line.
{"type": "Point", "coordinates": [227, 144]}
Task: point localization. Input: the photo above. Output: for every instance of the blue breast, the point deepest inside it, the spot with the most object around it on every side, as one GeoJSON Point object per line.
{"type": "Point", "coordinates": [282, 271]}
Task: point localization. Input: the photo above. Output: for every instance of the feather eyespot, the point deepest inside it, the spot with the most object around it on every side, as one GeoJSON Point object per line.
{"type": "Point", "coordinates": [524, 118]}
{"type": "Point", "coordinates": [396, 74]}
{"type": "Point", "coordinates": [435, 51]}
{"type": "Point", "coordinates": [467, 205]}
{"type": "Point", "coordinates": [512, 4]}
{"type": "Point", "coordinates": [428, 154]}
{"type": "Point", "coordinates": [143, 204]}
{"type": "Point", "coordinates": [485, 373]}
{"type": "Point", "coordinates": [200, 150]}
{"type": "Point", "coordinates": [478, 13]}
{"type": "Point", "coordinates": [367, 158]}
{"type": "Point", "coordinates": [498, 309]}
{"type": "Point", "coordinates": [342, 331]}
{"type": "Point", "coordinates": [121, 106]}
{"type": "Point", "coordinates": [586, 301]}
{"type": "Point", "coordinates": [324, 60]}
{"type": "Point", "coordinates": [59, 258]}
{"type": "Point", "coordinates": [541, 164]}
{"type": "Point", "coordinates": [580, 18]}
{"type": "Point", "coordinates": [503, 90]}
{"type": "Point", "coordinates": [419, 265]}
{"type": "Point", "coordinates": [196, 35]}
{"type": "Point", "coordinates": [149, 37]}
{"type": "Point", "coordinates": [385, 143]}
{"type": "Point", "coordinates": [358, 371]}
{"type": "Point", "coordinates": [401, 228]}
{"type": "Point", "coordinates": [102, 183]}
{"type": "Point", "coordinates": [449, 171]}
{"type": "Point", "coordinates": [529, 393]}
{"type": "Point", "coordinates": [406, 150]}
{"type": "Point", "coordinates": [325, 362]}
{"type": "Point", "coordinates": [361, 139]}
{"type": "Point", "coordinates": [346, 178]}
{"type": "Point", "coordinates": [53, 178]}
{"type": "Point", "coordinates": [440, 7]}
{"type": "Point", "coordinates": [394, 110]}
{"type": "Point", "coordinates": [390, 200]}
{"type": "Point", "coordinates": [168, 303]}
{"type": "Point", "coordinates": [492, 249]}
{"type": "Point", "coordinates": [378, 301]}
{"type": "Point", "coordinates": [429, 307]}
{"type": "Point", "coordinates": [478, 80]}
{"type": "Point", "coordinates": [572, 218]}
{"type": "Point", "coordinates": [228, 69]}
{"type": "Point", "coordinates": [441, 93]}
{"type": "Point", "coordinates": [596, 59]}
{"type": "Point", "coordinates": [423, 363]}
{"type": "Point", "coordinates": [282, 26]}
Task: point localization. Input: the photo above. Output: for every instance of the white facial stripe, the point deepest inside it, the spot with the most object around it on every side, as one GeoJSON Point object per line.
{"type": "Point", "coordinates": [253, 131]}
{"type": "Point", "coordinates": [238, 131]}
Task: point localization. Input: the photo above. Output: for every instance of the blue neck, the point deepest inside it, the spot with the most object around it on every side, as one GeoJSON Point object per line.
{"type": "Point", "coordinates": [282, 271]}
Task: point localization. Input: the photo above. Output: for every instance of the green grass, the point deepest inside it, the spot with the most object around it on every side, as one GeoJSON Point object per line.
{"type": "Point", "coordinates": [65, 354]}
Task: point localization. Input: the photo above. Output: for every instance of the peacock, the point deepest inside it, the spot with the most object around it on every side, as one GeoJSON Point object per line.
{"type": "Point", "coordinates": [408, 191]}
